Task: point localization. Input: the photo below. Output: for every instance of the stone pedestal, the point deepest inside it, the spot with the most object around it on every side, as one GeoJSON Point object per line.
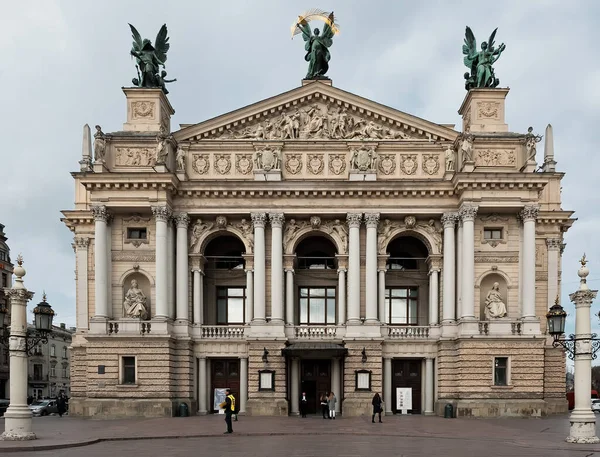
{"type": "Point", "coordinates": [99, 167]}
{"type": "Point", "coordinates": [147, 110]}
{"type": "Point", "coordinates": [271, 175]}
{"type": "Point", "coordinates": [362, 175]}
{"type": "Point", "coordinates": [529, 166]}
{"type": "Point", "coordinates": [483, 110]}
{"type": "Point", "coordinates": [468, 166]}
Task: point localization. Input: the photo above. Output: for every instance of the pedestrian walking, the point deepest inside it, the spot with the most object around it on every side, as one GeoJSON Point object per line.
{"type": "Point", "coordinates": [303, 404]}
{"type": "Point", "coordinates": [229, 405]}
{"type": "Point", "coordinates": [324, 407]}
{"type": "Point", "coordinates": [61, 404]}
{"type": "Point", "coordinates": [331, 400]}
{"type": "Point", "coordinates": [377, 406]}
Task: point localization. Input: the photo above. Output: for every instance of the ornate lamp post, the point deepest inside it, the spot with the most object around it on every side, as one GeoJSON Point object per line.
{"type": "Point", "coordinates": [581, 347]}
{"type": "Point", "coordinates": [18, 423]}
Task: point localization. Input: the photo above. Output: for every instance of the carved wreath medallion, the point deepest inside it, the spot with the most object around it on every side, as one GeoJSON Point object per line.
{"type": "Point", "coordinates": [142, 110]}
{"type": "Point", "coordinates": [408, 163]}
{"type": "Point", "coordinates": [243, 163]}
{"type": "Point", "coordinates": [488, 109]}
{"type": "Point", "coordinates": [222, 164]}
{"type": "Point", "coordinates": [200, 163]}
{"type": "Point", "coordinates": [315, 163]}
{"type": "Point", "coordinates": [337, 163]}
{"type": "Point", "coordinates": [387, 163]}
{"type": "Point", "coordinates": [431, 163]}
{"type": "Point", "coordinates": [293, 163]}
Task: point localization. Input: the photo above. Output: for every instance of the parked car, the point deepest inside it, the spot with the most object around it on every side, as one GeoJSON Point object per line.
{"type": "Point", "coordinates": [596, 405]}
{"type": "Point", "coordinates": [3, 406]}
{"type": "Point", "coordinates": [43, 407]}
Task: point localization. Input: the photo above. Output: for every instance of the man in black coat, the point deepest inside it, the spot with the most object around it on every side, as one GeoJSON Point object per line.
{"type": "Point", "coordinates": [303, 404]}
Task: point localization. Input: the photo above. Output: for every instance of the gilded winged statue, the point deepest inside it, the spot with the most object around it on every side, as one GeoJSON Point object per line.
{"type": "Point", "coordinates": [317, 44]}
{"type": "Point", "coordinates": [480, 62]}
{"type": "Point", "coordinates": [150, 58]}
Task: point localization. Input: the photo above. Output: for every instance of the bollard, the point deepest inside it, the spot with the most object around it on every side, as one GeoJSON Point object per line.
{"type": "Point", "coordinates": [448, 411]}
{"type": "Point", "coordinates": [183, 410]}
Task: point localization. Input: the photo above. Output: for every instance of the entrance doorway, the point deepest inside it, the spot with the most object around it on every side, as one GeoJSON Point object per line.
{"type": "Point", "coordinates": [224, 373]}
{"type": "Point", "coordinates": [315, 380]}
{"type": "Point", "coordinates": [407, 374]}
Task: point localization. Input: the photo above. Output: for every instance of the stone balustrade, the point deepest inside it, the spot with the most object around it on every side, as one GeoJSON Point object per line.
{"type": "Point", "coordinates": [315, 331]}
{"type": "Point", "coordinates": [222, 332]}
{"type": "Point", "coordinates": [409, 332]}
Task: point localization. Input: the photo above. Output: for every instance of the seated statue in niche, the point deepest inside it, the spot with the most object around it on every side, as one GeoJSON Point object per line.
{"type": "Point", "coordinates": [135, 302]}
{"type": "Point", "coordinates": [494, 304]}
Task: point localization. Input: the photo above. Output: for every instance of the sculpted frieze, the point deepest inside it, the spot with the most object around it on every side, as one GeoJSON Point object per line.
{"type": "Point", "coordinates": [495, 158]}
{"type": "Point", "coordinates": [134, 157]}
{"type": "Point", "coordinates": [315, 121]}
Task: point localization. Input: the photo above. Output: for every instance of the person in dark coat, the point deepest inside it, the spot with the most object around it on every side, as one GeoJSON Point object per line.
{"type": "Point", "coordinates": [61, 404]}
{"type": "Point", "coordinates": [324, 406]}
{"type": "Point", "coordinates": [376, 402]}
{"type": "Point", "coordinates": [303, 404]}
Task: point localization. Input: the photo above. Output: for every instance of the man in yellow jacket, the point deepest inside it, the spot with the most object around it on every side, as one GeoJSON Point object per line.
{"type": "Point", "coordinates": [229, 405]}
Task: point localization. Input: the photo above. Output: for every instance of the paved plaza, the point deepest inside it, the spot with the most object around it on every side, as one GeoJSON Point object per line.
{"type": "Point", "coordinates": [291, 436]}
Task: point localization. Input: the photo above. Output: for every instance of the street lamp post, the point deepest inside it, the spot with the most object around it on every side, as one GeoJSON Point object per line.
{"type": "Point", "coordinates": [582, 347]}
{"type": "Point", "coordinates": [18, 417]}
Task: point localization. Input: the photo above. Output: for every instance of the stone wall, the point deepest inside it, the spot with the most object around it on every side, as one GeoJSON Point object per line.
{"type": "Point", "coordinates": [358, 403]}
{"type": "Point", "coordinates": [266, 403]}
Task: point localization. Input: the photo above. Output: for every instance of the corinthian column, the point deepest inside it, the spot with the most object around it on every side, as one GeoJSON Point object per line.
{"type": "Point", "coordinates": [354, 220]}
{"type": "Point", "coordinates": [276, 267]}
{"type": "Point", "coordinates": [162, 215]}
{"type": "Point", "coordinates": [258, 219]}
{"type": "Point", "coordinates": [448, 311]}
{"type": "Point", "coordinates": [467, 214]}
{"type": "Point", "coordinates": [182, 266]}
{"type": "Point", "coordinates": [371, 290]}
{"type": "Point", "coordinates": [529, 216]}
{"type": "Point", "coordinates": [81, 254]}
{"type": "Point", "coordinates": [100, 261]}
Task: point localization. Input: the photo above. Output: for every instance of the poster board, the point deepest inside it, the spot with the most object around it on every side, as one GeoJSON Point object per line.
{"type": "Point", "coordinates": [403, 399]}
{"type": "Point", "coordinates": [218, 398]}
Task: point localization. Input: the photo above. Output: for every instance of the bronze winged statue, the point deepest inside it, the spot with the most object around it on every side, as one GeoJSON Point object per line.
{"type": "Point", "coordinates": [480, 62]}
{"type": "Point", "coordinates": [150, 58]}
{"type": "Point", "coordinates": [317, 44]}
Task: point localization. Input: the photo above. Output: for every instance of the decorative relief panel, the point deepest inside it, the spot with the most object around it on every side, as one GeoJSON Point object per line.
{"type": "Point", "coordinates": [129, 256]}
{"type": "Point", "coordinates": [431, 163]}
{"type": "Point", "coordinates": [243, 163]}
{"type": "Point", "coordinates": [293, 163]}
{"type": "Point", "coordinates": [337, 163]}
{"type": "Point", "coordinates": [316, 163]}
{"type": "Point", "coordinates": [387, 163]}
{"type": "Point", "coordinates": [200, 163]}
{"type": "Point", "coordinates": [222, 164]}
{"type": "Point", "coordinates": [143, 110]}
{"type": "Point", "coordinates": [134, 157]}
{"type": "Point", "coordinates": [488, 110]}
{"type": "Point", "coordinates": [495, 158]}
{"type": "Point", "coordinates": [408, 164]}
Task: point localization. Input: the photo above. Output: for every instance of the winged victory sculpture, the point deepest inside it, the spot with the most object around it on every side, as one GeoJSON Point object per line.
{"type": "Point", "coordinates": [480, 62]}
{"type": "Point", "coordinates": [150, 58]}
{"type": "Point", "coordinates": [317, 44]}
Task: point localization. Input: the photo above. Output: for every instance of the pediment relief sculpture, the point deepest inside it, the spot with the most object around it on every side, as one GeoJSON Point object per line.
{"type": "Point", "coordinates": [318, 121]}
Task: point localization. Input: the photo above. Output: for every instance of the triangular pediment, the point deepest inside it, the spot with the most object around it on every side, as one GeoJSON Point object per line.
{"type": "Point", "coordinates": [316, 111]}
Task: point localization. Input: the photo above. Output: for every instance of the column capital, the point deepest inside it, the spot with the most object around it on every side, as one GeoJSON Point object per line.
{"type": "Point", "coordinates": [276, 219]}
{"type": "Point", "coordinates": [182, 220]}
{"type": "Point", "coordinates": [81, 242]}
{"type": "Point", "coordinates": [288, 261]}
{"type": "Point", "coordinates": [382, 262]}
{"type": "Point", "coordinates": [530, 212]}
{"type": "Point", "coordinates": [162, 213]}
{"type": "Point", "coordinates": [554, 244]}
{"type": "Point", "coordinates": [449, 219]}
{"type": "Point", "coordinates": [100, 213]}
{"type": "Point", "coordinates": [435, 263]}
{"type": "Point", "coordinates": [467, 212]}
{"type": "Point", "coordinates": [371, 220]}
{"type": "Point", "coordinates": [354, 219]}
{"type": "Point", "coordinates": [259, 219]}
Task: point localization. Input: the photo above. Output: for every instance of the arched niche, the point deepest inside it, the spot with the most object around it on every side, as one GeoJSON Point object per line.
{"type": "Point", "coordinates": [433, 244]}
{"type": "Point", "coordinates": [145, 284]}
{"type": "Point", "coordinates": [486, 283]}
{"type": "Point", "coordinates": [225, 252]}
{"type": "Point", "coordinates": [209, 235]}
{"type": "Point", "coordinates": [316, 251]}
{"type": "Point", "coordinates": [336, 235]}
{"type": "Point", "coordinates": [407, 252]}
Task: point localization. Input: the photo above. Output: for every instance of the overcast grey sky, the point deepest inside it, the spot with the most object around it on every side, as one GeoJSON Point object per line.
{"type": "Point", "coordinates": [64, 63]}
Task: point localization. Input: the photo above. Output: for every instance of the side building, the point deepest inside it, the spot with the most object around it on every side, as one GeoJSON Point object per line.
{"type": "Point", "coordinates": [311, 242]}
{"type": "Point", "coordinates": [6, 271]}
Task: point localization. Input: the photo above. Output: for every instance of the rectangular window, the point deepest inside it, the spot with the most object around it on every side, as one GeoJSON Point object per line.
{"type": "Point", "coordinates": [501, 371]}
{"type": "Point", "coordinates": [52, 371]}
{"type": "Point", "coordinates": [317, 305]}
{"type": "Point", "coordinates": [135, 233]}
{"type": "Point", "coordinates": [64, 352]}
{"type": "Point", "coordinates": [3, 256]}
{"type": "Point", "coordinates": [231, 305]}
{"type": "Point", "coordinates": [402, 305]}
{"type": "Point", "coordinates": [128, 370]}
{"type": "Point", "coordinates": [37, 372]}
{"type": "Point", "coordinates": [492, 234]}
{"type": "Point", "coordinates": [52, 351]}
{"type": "Point", "coordinates": [65, 372]}
{"type": "Point", "coordinates": [4, 279]}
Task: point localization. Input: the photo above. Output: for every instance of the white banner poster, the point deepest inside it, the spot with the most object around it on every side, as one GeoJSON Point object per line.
{"type": "Point", "coordinates": [218, 398]}
{"type": "Point", "coordinates": [403, 399]}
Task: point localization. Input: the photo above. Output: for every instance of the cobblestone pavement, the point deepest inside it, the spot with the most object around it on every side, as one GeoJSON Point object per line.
{"type": "Point", "coordinates": [292, 436]}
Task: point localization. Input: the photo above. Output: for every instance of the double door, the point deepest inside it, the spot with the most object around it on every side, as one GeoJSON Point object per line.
{"type": "Point", "coordinates": [315, 381]}
{"type": "Point", "coordinates": [407, 373]}
{"type": "Point", "coordinates": [224, 373]}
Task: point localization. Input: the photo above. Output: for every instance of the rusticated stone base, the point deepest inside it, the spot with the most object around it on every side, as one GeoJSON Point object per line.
{"type": "Point", "coordinates": [354, 407]}
{"type": "Point", "coordinates": [120, 408]}
{"type": "Point", "coordinates": [583, 433]}
{"type": "Point", "coordinates": [10, 436]}
{"type": "Point", "coordinates": [267, 407]}
{"type": "Point", "coordinates": [502, 408]}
